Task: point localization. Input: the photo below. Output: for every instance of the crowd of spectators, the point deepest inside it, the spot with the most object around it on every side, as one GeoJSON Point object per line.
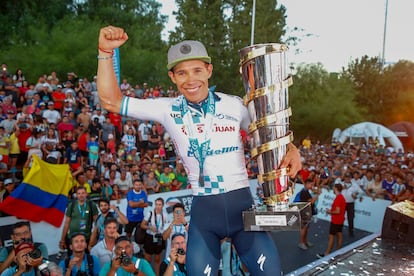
{"type": "Point", "coordinates": [380, 171]}
{"type": "Point", "coordinates": [62, 122]}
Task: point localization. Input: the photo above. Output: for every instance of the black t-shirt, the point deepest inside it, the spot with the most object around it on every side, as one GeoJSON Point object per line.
{"type": "Point", "coordinates": [305, 196]}
{"type": "Point", "coordinates": [164, 265]}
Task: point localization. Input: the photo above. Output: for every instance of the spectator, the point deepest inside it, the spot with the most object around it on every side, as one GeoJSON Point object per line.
{"type": "Point", "coordinates": [306, 195]}
{"type": "Point", "coordinates": [144, 129]}
{"type": "Point", "coordinates": [51, 114]}
{"type": "Point", "coordinates": [124, 182]}
{"type": "Point", "coordinates": [129, 139]}
{"type": "Point", "coordinates": [337, 213]}
{"type": "Point", "coordinates": [104, 248]}
{"type": "Point", "coordinates": [21, 233]}
{"type": "Point", "coordinates": [9, 124]}
{"type": "Point", "coordinates": [79, 262]}
{"type": "Point", "coordinates": [137, 201]}
{"type": "Point", "coordinates": [73, 157]}
{"type": "Point", "coordinates": [84, 117]}
{"type": "Point", "coordinates": [151, 183]}
{"type": "Point", "coordinates": [179, 224]}
{"type": "Point", "coordinates": [124, 263]}
{"type": "Point", "coordinates": [4, 146]}
{"type": "Point", "coordinates": [387, 184]}
{"type": "Point", "coordinates": [58, 97]}
{"type": "Point", "coordinates": [174, 264]}
{"type": "Point", "coordinates": [106, 211]}
{"type": "Point", "coordinates": [166, 178]}
{"type": "Point", "coordinates": [93, 150]}
{"type": "Point", "coordinates": [79, 217]}
{"type": "Point", "coordinates": [154, 140]}
{"type": "Point", "coordinates": [154, 244]}
{"type": "Point", "coordinates": [351, 192]}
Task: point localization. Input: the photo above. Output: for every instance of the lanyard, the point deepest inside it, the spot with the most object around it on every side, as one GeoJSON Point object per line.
{"type": "Point", "coordinates": [199, 146]}
{"type": "Point", "coordinates": [82, 210]}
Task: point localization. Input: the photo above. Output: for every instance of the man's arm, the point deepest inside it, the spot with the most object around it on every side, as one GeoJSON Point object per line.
{"type": "Point", "coordinates": [109, 92]}
{"type": "Point", "coordinates": [122, 219]}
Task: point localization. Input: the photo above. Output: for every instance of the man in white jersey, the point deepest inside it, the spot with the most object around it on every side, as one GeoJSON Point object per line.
{"type": "Point", "coordinates": [206, 128]}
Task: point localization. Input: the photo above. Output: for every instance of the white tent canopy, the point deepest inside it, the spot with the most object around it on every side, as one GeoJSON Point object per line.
{"type": "Point", "coordinates": [368, 130]}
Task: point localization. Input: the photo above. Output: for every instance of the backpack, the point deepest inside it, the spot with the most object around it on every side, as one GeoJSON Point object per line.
{"type": "Point", "coordinates": [88, 258]}
{"type": "Point", "coordinates": [72, 206]}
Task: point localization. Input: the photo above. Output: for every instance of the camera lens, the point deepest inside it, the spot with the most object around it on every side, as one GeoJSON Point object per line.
{"type": "Point", "coordinates": [35, 253]}
{"type": "Point", "coordinates": [180, 251]}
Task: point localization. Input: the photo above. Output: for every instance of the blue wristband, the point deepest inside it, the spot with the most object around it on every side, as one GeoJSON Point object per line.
{"type": "Point", "coordinates": [124, 106]}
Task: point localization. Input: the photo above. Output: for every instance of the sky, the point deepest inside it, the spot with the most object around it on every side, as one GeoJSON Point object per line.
{"type": "Point", "coordinates": [341, 31]}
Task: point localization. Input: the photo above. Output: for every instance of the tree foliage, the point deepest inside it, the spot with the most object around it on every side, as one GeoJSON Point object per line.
{"type": "Point", "coordinates": [321, 102]}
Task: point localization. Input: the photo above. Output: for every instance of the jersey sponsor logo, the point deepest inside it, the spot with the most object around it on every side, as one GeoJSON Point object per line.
{"type": "Point", "coordinates": [207, 270]}
{"type": "Point", "coordinates": [222, 116]}
{"type": "Point", "coordinates": [223, 150]}
{"type": "Point", "coordinates": [261, 261]}
{"type": "Point", "coordinates": [175, 115]}
{"type": "Point", "coordinates": [219, 128]}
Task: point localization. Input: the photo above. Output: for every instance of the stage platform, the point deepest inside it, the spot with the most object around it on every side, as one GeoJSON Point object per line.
{"type": "Point", "coordinates": [370, 255]}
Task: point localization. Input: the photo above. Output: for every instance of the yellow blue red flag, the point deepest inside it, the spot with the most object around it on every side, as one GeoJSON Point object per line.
{"type": "Point", "coordinates": [42, 195]}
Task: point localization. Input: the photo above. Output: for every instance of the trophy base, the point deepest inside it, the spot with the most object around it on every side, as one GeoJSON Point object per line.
{"type": "Point", "coordinates": [260, 218]}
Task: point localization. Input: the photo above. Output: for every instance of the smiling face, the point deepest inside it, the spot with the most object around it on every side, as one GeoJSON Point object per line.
{"type": "Point", "coordinates": [191, 78]}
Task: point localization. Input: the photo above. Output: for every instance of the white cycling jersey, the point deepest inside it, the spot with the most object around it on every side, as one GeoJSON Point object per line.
{"type": "Point", "coordinates": [224, 165]}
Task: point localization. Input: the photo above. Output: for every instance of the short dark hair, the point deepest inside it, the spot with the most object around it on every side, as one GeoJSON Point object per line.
{"type": "Point", "coordinates": [178, 205]}
{"type": "Point", "coordinates": [104, 200]}
{"type": "Point", "coordinates": [178, 234]}
{"type": "Point", "coordinates": [74, 235]}
{"type": "Point", "coordinates": [338, 187]}
{"type": "Point", "coordinates": [110, 220]}
{"type": "Point", "coordinates": [122, 238]}
{"type": "Point", "coordinates": [21, 224]}
{"type": "Point", "coordinates": [160, 199]}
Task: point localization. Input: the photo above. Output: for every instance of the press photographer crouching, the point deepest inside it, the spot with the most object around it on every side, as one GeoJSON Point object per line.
{"type": "Point", "coordinates": [22, 237]}
{"type": "Point", "coordinates": [174, 264]}
{"type": "Point", "coordinates": [124, 263]}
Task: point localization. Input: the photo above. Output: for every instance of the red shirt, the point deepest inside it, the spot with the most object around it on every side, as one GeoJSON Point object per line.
{"type": "Point", "coordinates": [22, 138]}
{"type": "Point", "coordinates": [83, 141]}
{"type": "Point", "coordinates": [116, 120]}
{"type": "Point", "coordinates": [340, 202]}
{"type": "Point", "coordinates": [58, 97]}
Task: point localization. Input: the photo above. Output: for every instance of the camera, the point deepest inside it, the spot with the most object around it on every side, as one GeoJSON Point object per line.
{"type": "Point", "coordinates": [125, 259]}
{"type": "Point", "coordinates": [180, 251]}
{"type": "Point", "coordinates": [35, 253]}
{"type": "Point", "coordinates": [157, 238]}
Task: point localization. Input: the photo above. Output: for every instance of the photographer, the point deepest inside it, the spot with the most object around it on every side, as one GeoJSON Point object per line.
{"type": "Point", "coordinates": [80, 263]}
{"type": "Point", "coordinates": [21, 233]}
{"type": "Point", "coordinates": [124, 263]}
{"type": "Point", "coordinates": [174, 265]}
{"type": "Point", "coordinates": [154, 243]}
{"type": "Point", "coordinates": [27, 259]}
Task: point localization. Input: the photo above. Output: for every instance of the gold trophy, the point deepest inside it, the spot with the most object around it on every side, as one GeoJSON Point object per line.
{"type": "Point", "coordinates": [266, 81]}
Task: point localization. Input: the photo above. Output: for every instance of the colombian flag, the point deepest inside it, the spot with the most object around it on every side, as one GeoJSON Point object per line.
{"type": "Point", "coordinates": [42, 196]}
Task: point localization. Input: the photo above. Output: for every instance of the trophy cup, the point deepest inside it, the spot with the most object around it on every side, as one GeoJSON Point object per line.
{"type": "Point", "coordinates": [266, 82]}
